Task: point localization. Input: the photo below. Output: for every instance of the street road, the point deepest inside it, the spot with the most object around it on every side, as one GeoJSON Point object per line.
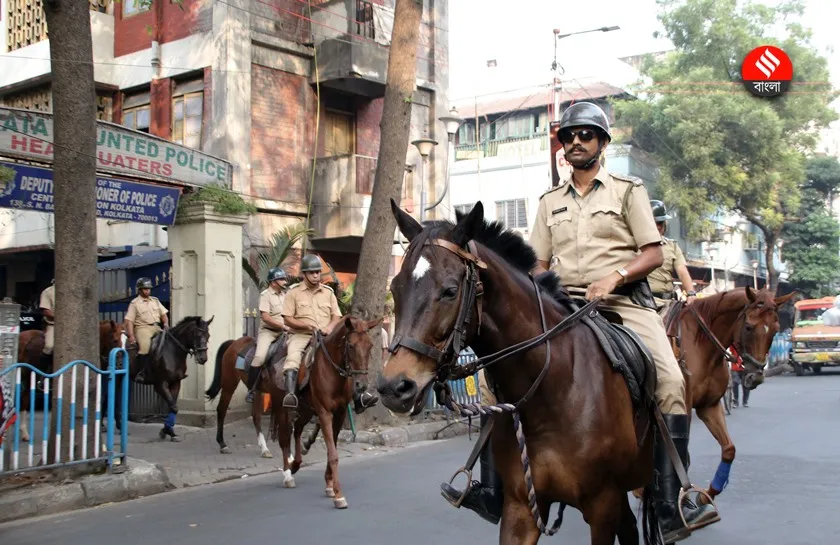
{"type": "Point", "coordinates": [783, 490]}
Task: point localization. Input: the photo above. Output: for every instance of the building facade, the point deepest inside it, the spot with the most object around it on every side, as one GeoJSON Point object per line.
{"type": "Point", "coordinates": [247, 81]}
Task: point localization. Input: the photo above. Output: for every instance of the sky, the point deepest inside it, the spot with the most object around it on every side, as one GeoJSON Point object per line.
{"type": "Point", "coordinates": [519, 36]}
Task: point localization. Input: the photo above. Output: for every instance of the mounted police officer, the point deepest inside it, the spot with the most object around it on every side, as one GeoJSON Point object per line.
{"type": "Point", "coordinates": [272, 325]}
{"type": "Point", "coordinates": [145, 317]}
{"type": "Point", "coordinates": [673, 261]}
{"type": "Point", "coordinates": [596, 230]}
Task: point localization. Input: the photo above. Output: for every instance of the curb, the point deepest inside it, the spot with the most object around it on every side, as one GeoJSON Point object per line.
{"type": "Point", "coordinates": [402, 435]}
{"type": "Point", "coordinates": [141, 479]}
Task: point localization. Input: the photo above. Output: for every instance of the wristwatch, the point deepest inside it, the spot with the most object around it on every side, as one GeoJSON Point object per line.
{"type": "Point", "coordinates": [623, 272]}
{"type": "Point", "coordinates": [691, 293]}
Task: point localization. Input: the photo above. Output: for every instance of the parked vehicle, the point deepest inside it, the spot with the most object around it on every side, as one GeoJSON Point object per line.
{"type": "Point", "coordinates": [814, 345]}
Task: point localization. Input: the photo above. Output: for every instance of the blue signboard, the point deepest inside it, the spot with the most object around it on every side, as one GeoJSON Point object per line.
{"type": "Point", "coordinates": [32, 189]}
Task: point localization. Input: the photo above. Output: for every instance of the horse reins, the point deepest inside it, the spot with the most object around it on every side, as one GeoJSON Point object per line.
{"type": "Point", "coordinates": [728, 356]}
{"type": "Point", "coordinates": [189, 351]}
{"type": "Point", "coordinates": [343, 371]}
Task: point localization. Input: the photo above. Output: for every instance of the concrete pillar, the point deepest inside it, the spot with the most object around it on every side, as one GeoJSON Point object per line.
{"type": "Point", "coordinates": [206, 281]}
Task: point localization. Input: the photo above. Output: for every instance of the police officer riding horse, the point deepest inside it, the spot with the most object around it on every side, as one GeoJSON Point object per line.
{"type": "Point", "coordinates": [597, 232]}
{"type": "Point", "coordinates": [272, 326]}
{"type": "Point", "coordinates": [145, 318]}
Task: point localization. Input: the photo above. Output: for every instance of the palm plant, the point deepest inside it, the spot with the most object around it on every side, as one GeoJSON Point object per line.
{"type": "Point", "coordinates": [280, 249]}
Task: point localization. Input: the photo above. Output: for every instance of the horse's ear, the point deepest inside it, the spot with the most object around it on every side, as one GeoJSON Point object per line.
{"type": "Point", "coordinates": [348, 322]}
{"type": "Point", "coordinates": [373, 323]}
{"type": "Point", "coordinates": [468, 227]}
{"type": "Point", "coordinates": [208, 322]}
{"type": "Point", "coordinates": [750, 294]}
{"type": "Point", "coordinates": [784, 298]}
{"type": "Point", "coordinates": [409, 226]}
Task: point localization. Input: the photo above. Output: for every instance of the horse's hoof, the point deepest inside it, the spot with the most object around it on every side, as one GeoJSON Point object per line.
{"type": "Point", "coordinates": [329, 492]}
{"type": "Point", "coordinates": [225, 450]}
{"type": "Point", "coordinates": [340, 503]}
{"type": "Point", "coordinates": [175, 438]}
{"type": "Point", "coordinates": [267, 454]}
{"type": "Point", "coordinates": [304, 451]}
{"type": "Point", "coordinates": [288, 480]}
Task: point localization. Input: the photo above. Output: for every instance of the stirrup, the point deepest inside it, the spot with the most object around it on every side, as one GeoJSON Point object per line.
{"type": "Point", "coordinates": [468, 473]}
{"type": "Point", "coordinates": [684, 492]}
{"type": "Point", "coordinates": [287, 402]}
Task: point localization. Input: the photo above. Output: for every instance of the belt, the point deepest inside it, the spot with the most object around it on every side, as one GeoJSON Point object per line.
{"type": "Point", "coordinates": [663, 294]}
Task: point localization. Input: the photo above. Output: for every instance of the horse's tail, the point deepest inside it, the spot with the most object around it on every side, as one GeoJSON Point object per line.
{"type": "Point", "coordinates": [216, 385]}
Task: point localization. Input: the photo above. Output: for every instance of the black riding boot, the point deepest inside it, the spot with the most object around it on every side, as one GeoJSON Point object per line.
{"type": "Point", "coordinates": [485, 497]}
{"type": "Point", "coordinates": [143, 361]}
{"type": "Point", "coordinates": [253, 383]}
{"type": "Point", "coordinates": [291, 401]}
{"type": "Point", "coordinates": [666, 485]}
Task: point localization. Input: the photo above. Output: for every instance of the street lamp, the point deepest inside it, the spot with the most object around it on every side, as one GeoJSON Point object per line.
{"type": "Point", "coordinates": [452, 122]}
{"type": "Point", "coordinates": [754, 264]}
{"type": "Point", "coordinates": [554, 65]}
{"type": "Point", "coordinates": [424, 146]}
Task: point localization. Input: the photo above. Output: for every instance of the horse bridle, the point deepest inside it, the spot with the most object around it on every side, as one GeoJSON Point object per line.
{"type": "Point", "coordinates": [472, 291]}
{"type": "Point", "coordinates": [345, 370]}
{"type": "Point", "coordinates": [189, 351]}
{"type": "Point", "coordinates": [738, 345]}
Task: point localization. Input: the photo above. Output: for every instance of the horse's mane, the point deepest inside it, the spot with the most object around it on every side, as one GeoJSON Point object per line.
{"type": "Point", "coordinates": [188, 321]}
{"type": "Point", "coordinates": [710, 306]}
{"type": "Point", "coordinates": [507, 244]}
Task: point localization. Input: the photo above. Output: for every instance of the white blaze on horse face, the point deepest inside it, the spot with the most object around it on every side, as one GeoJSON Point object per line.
{"type": "Point", "coordinates": [421, 268]}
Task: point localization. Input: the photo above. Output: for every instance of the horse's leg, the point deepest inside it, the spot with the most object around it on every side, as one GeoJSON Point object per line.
{"type": "Point", "coordinates": [304, 416]}
{"type": "Point", "coordinates": [169, 423]}
{"type": "Point", "coordinates": [715, 420]}
{"type": "Point", "coordinates": [329, 422]}
{"type": "Point", "coordinates": [256, 416]}
{"type": "Point", "coordinates": [283, 423]}
{"type": "Point", "coordinates": [628, 531]}
{"type": "Point", "coordinates": [605, 513]}
{"type": "Point", "coordinates": [517, 525]}
{"type": "Point", "coordinates": [221, 413]}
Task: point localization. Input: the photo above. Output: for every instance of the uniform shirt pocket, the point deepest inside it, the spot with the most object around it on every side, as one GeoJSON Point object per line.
{"type": "Point", "coordinates": [606, 220]}
{"type": "Point", "coordinates": [561, 229]}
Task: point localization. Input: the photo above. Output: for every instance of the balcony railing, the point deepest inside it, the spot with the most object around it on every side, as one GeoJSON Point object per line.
{"type": "Point", "coordinates": [521, 146]}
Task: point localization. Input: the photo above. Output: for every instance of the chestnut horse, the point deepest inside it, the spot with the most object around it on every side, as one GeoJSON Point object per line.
{"type": "Point", "coordinates": [30, 350]}
{"type": "Point", "coordinates": [578, 424]}
{"type": "Point", "coordinates": [744, 319]}
{"type": "Point", "coordinates": [339, 362]}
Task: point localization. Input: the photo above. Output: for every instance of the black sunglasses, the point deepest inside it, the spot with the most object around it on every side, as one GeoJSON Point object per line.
{"type": "Point", "coordinates": [567, 136]}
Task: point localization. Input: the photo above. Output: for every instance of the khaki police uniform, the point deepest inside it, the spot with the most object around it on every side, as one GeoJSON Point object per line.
{"type": "Point", "coordinates": [48, 302]}
{"type": "Point", "coordinates": [594, 235]}
{"type": "Point", "coordinates": [145, 314]}
{"type": "Point", "coordinates": [661, 280]}
{"type": "Point", "coordinates": [315, 307]}
{"type": "Point", "coordinates": [271, 301]}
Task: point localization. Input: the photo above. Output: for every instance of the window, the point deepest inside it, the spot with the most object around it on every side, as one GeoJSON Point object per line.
{"type": "Point", "coordinates": [187, 112]}
{"type": "Point", "coordinates": [339, 133]}
{"type": "Point", "coordinates": [364, 19]}
{"type": "Point", "coordinates": [464, 208]}
{"type": "Point", "coordinates": [512, 214]}
{"type": "Point", "coordinates": [133, 7]}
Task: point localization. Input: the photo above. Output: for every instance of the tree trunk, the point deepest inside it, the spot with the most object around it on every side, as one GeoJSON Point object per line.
{"type": "Point", "coordinates": [74, 115]}
{"type": "Point", "coordinates": [371, 281]}
{"type": "Point", "coordinates": [770, 239]}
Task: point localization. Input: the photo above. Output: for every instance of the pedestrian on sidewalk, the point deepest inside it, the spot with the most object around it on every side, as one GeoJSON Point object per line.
{"type": "Point", "coordinates": [738, 373]}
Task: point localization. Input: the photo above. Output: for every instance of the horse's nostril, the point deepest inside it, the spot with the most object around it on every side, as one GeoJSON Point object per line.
{"type": "Point", "coordinates": [406, 388]}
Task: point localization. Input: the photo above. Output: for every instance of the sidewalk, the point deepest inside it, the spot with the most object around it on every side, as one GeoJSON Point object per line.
{"type": "Point", "coordinates": [155, 466]}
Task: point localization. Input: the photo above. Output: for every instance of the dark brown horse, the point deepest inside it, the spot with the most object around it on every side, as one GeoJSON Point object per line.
{"type": "Point", "coordinates": [339, 365]}
{"type": "Point", "coordinates": [30, 350]}
{"type": "Point", "coordinates": [744, 319]}
{"type": "Point", "coordinates": [578, 424]}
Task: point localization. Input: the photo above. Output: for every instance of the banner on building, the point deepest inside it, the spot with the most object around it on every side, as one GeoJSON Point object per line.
{"type": "Point", "coordinates": [27, 134]}
{"type": "Point", "coordinates": [31, 189]}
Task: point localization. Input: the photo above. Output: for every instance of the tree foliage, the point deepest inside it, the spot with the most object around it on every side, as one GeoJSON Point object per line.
{"type": "Point", "coordinates": [279, 253]}
{"type": "Point", "coordinates": [717, 145]}
{"type": "Point", "coordinates": [812, 246]}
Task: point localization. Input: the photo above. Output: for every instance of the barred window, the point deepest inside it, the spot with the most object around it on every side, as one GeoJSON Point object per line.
{"type": "Point", "coordinates": [512, 213]}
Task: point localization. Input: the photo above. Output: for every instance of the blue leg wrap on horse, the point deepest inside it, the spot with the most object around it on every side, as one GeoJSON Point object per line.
{"type": "Point", "coordinates": [170, 421]}
{"type": "Point", "coordinates": [721, 476]}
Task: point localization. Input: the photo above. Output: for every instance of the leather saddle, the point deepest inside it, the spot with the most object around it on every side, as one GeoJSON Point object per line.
{"type": "Point", "coordinates": [626, 351]}
{"type": "Point", "coordinates": [274, 360]}
{"type": "Point", "coordinates": [156, 345]}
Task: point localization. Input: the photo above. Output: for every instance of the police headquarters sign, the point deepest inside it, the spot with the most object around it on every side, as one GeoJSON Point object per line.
{"type": "Point", "coordinates": [26, 134]}
{"type": "Point", "coordinates": [32, 189]}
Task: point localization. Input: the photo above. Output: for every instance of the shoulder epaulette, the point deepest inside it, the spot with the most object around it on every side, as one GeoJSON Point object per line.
{"type": "Point", "coordinates": [635, 180]}
{"type": "Point", "coordinates": [329, 288]}
{"type": "Point", "coordinates": [293, 286]}
{"type": "Point", "coordinates": [553, 189]}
